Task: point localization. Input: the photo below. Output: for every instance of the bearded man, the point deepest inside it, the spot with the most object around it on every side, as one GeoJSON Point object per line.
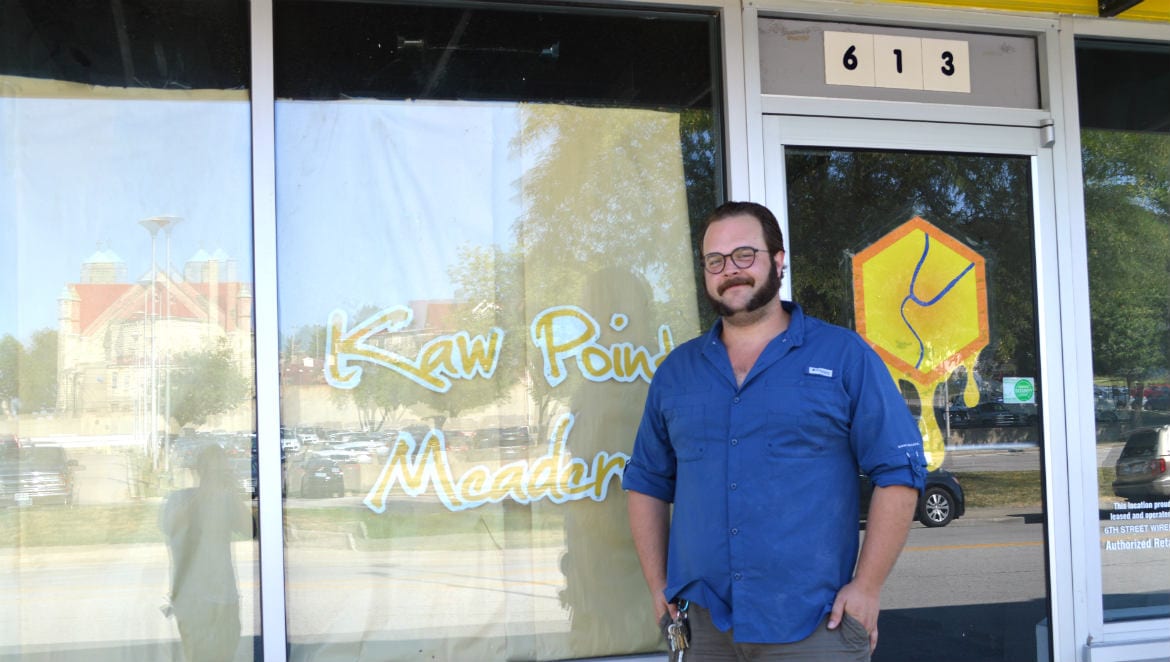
{"type": "Point", "coordinates": [754, 434]}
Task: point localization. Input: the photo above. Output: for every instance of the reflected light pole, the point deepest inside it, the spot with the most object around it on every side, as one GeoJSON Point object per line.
{"type": "Point", "coordinates": [153, 225]}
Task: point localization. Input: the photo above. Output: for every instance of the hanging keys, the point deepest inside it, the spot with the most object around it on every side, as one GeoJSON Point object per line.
{"type": "Point", "coordinates": [678, 634]}
{"type": "Point", "coordinates": [676, 640]}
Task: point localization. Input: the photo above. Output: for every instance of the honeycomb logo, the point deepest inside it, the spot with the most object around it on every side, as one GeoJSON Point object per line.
{"type": "Point", "coordinates": [920, 299]}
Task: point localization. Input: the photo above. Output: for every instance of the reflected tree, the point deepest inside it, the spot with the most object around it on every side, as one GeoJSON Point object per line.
{"type": "Point", "coordinates": [1127, 214]}
{"type": "Point", "coordinates": [841, 201]}
{"type": "Point", "coordinates": [385, 396]}
{"type": "Point", "coordinates": [609, 197]}
{"type": "Point", "coordinates": [10, 351]}
{"type": "Point", "coordinates": [600, 189]}
{"type": "Point", "coordinates": [492, 283]}
{"type": "Point", "coordinates": [608, 188]}
{"type": "Point", "coordinates": [37, 381]}
{"type": "Point", "coordinates": [204, 384]}
{"type": "Point", "coordinates": [306, 341]}
{"type": "Point", "coordinates": [381, 397]}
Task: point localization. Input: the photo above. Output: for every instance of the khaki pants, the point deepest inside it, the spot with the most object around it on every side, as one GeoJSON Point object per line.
{"type": "Point", "coordinates": [848, 643]}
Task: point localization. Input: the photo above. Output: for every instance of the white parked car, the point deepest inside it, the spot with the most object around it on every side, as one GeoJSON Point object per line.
{"type": "Point", "coordinates": [289, 442]}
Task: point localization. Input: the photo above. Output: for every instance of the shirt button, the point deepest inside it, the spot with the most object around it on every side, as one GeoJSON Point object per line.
{"type": "Point", "coordinates": [735, 532]}
{"type": "Point", "coordinates": [737, 576]}
{"type": "Point", "coordinates": [735, 442]}
{"type": "Point", "coordinates": [734, 486]}
{"type": "Point", "coordinates": [736, 400]}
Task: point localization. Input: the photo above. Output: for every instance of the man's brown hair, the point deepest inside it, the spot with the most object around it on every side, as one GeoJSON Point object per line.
{"type": "Point", "coordinates": [773, 237]}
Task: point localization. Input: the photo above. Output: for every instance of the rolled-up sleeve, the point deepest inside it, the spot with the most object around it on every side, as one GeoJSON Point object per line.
{"type": "Point", "coordinates": [651, 469]}
{"type": "Point", "coordinates": [885, 437]}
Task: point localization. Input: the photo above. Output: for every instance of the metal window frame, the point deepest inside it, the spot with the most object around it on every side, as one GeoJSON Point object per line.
{"type": "Point", "coordinates": [1054, 246]}
{"type": "Point", "coordinates": [273, 607]}
{"type": "Point", "coordinates": [1075, 571]}
{"type": "Point", "coordinates": [1099, 641]}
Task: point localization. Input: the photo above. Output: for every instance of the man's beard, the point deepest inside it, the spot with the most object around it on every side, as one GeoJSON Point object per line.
{"type": "Point", "coordinates": [761, 298]}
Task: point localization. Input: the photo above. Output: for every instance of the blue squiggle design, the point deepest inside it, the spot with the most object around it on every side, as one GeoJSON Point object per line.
{"type": "Point", "coordinates": [914, 297]}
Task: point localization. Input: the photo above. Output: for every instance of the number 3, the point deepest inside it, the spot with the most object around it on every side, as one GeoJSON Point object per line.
{"type": "Point", "coordinates": [948, 67]}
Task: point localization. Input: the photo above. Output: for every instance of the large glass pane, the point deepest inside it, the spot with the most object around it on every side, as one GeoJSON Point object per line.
{"type": "Point", "coordinates": [930, 257]}
{"type": "Point", "coordinates": [484, 226]}
{"type": "Point", "coordinates": [126, 357]}
{"type": "Point", "coordinates": [1125, 137]}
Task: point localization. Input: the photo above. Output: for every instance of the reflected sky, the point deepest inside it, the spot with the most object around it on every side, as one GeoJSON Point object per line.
{"type": "Point", "coordinates": [374, 199]}
{"type": "Point", "coordinates": [76, 176]}
{"type": "Point", "coordinates": [80, 174]}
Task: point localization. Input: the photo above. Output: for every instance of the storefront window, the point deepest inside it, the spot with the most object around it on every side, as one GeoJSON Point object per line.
{"type": "Point", "coordinates": [1124, 92]}
{"type": "Point", "coordinates": [127, 468]}
{"type": "Point", "coordinates": [485, 248]}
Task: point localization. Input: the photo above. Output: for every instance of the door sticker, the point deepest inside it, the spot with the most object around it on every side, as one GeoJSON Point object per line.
{"type": "Point", "coordinates": [920, 299]}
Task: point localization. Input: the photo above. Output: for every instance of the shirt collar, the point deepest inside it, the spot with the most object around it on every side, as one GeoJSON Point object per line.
{"type": "Point", "coordinates": [794, 332]}
{"type": "Point", "coordinates": [716, 352]}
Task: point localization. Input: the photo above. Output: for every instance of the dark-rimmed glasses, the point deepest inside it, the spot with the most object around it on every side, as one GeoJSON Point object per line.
{"type": "Point", "coordinates": [742, 257]}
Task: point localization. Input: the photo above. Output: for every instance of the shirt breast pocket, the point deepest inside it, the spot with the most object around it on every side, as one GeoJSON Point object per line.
{"type": "Point", "coordinates": [806, 418]}
{"type": "Point", "coordinates": [687, 426]}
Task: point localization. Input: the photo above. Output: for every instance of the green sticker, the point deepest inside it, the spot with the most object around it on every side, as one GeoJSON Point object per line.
{"type": "Point", "coordinates": [1024, 390]}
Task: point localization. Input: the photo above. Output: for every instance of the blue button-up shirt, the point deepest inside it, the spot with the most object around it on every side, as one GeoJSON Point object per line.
{"type": "Point", "coordinates": [764, 475]}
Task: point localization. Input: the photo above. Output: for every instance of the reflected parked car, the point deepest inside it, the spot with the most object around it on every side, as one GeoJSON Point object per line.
{"type": "Point", "coordinates": [322, 478]}
{"type": "Point", "coordinates": [9, 447]}
{"type": "Point", "coordinates": [1141, 467]}
{"type": "Point", "coordinates": [514, 440]}
{"type": "Point", "coordinates": [994, 414]}
{"type": "Point", "coordinates": [941, 502]}
{"type": "Point", "coordinates": [245, 473]}
{"type": "Point", "coordinates": [37, 475]}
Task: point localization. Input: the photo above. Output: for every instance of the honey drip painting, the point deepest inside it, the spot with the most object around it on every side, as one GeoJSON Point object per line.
{"type": "Point", "coordinates": [920, 299]}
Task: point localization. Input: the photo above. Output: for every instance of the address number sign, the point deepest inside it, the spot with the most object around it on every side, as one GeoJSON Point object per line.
{"type": "Point", "coordinates": [911, 63]}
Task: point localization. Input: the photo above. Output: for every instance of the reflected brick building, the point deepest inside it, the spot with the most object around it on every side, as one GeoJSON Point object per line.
{"type": "Point", "coordinates": [115, 336]}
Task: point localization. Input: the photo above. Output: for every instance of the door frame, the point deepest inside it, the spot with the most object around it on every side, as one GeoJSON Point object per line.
{"type": "Point", "coordinates": [1034, 142]}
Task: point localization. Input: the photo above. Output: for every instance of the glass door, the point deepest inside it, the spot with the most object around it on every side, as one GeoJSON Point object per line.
{"type": "Point", "coordinates": [926, 239]}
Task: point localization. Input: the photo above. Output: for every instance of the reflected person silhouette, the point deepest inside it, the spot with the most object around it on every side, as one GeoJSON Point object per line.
{"type": "Point", "coordinates": [602, 591]}
{"type": "Point", "coordinates": [199, 524]}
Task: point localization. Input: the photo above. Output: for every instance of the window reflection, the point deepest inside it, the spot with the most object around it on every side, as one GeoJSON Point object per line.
{"type": "Point", "coordinates": [476, 286]}
{"type": "Point", "coordinates": [127, 327]}
{"type": "Point", "coordinates": [200, 524]}
{"type": "Point", "coordinates": [1126, 162]}
{"type": "Point", "coordinates": [930, 258]}
{"type": "Point", "coordinates": [547, 316]}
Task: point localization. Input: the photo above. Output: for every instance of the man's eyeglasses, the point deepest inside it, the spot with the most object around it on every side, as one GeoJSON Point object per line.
{"type": "Point", "coordinates": [743, 257]}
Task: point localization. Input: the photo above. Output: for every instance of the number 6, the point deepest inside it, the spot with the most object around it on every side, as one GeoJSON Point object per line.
{"type": "Point", "coordinates": [850, 60]}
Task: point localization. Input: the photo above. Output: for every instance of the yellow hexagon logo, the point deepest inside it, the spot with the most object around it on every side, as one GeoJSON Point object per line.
{"type": "Point", "coordinates": [920, 297]}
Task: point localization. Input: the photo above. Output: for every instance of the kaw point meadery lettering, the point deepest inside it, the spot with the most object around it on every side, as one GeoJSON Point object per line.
{"type": "Point", "coordinates": [560, 333]}
{"type": "Point", "coordinates": [563, 336]}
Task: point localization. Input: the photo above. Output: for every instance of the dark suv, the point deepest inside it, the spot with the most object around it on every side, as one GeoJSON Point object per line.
{"type": "Point", "coordinates": [36, 475]}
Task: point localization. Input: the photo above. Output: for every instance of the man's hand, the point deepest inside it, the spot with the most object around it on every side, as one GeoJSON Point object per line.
{"type": "Point", "coordinates": [650, 527]}
{"type": "Point", "coordinates": [661, 606]}
{"type": "Point", "coordinates": [890, 511]}
{"type": "Point", "coordinates": [862, 605]}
